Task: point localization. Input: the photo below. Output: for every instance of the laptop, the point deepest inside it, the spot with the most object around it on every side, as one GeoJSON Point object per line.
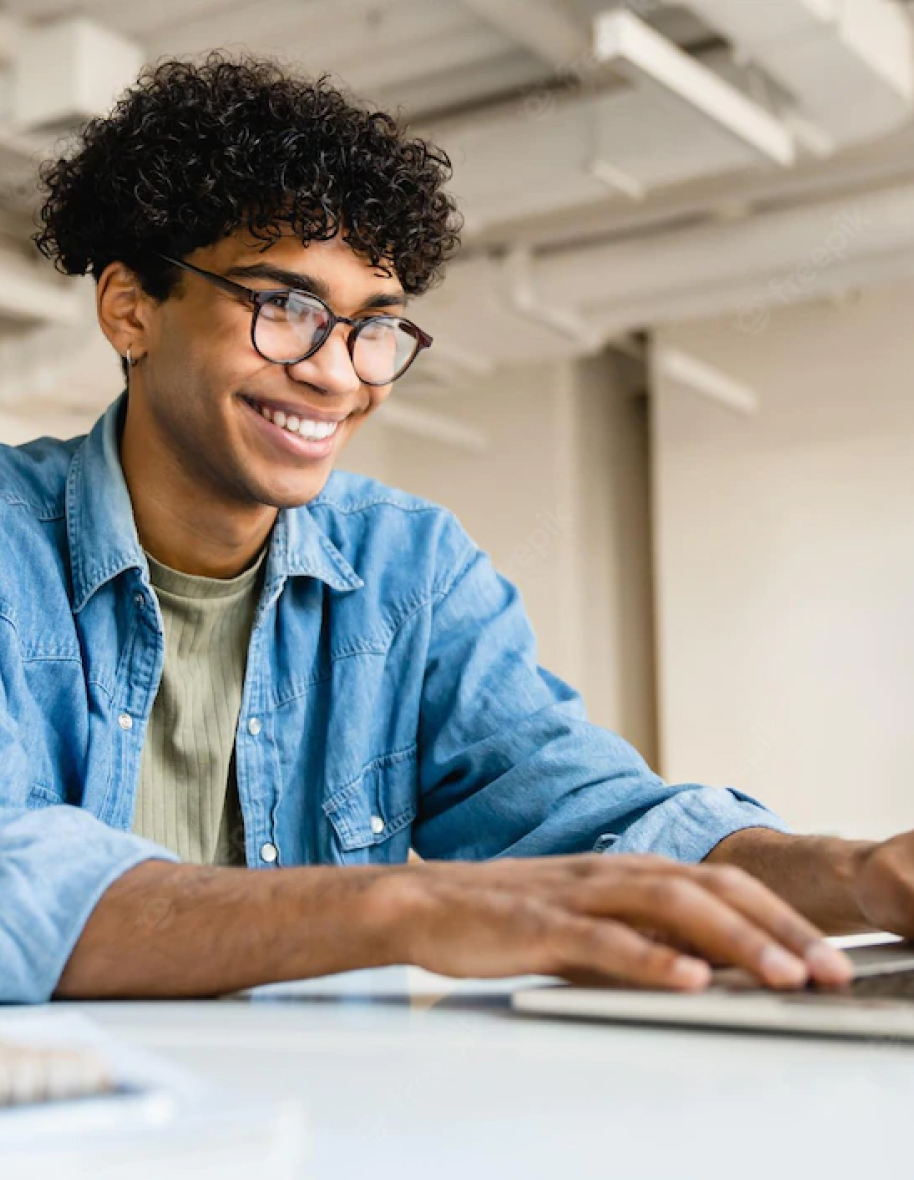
{"type": "Point", "coordinates": [877, 1005]}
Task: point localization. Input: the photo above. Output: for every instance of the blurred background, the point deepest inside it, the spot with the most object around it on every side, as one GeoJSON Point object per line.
{"type": "Point", "coordinates": [671, 386]}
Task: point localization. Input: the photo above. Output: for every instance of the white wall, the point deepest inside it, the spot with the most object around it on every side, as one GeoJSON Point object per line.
{"type": "Point", "coordinates": [611, 470]}
{"type": "Point", "coordinates": [560, 503]}
{"type": "Point", "coordinates": [785, 557]}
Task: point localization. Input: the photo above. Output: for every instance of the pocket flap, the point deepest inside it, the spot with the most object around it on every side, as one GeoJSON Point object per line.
{"type": "Point", "coordinates": [377, 804]}
{"type": "Point", "coordinates": [41, 796]}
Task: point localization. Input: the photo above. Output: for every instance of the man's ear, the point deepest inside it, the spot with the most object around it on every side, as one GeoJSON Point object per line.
{"type": "Point", "coordinates": [123, 309]}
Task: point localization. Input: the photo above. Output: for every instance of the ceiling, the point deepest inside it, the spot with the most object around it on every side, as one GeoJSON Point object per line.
{"type": "Point", "coordinates": [431, 57]}
{"type": "Point", "coordinates": [603, 195]}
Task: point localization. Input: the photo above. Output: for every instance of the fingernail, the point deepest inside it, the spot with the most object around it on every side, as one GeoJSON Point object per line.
{"type": "Point", "coordinates": [779, 966]}
{"type": "Point", "coordinates": [829, 964]}
{"type": "Point", "coordinates": [691, 973]}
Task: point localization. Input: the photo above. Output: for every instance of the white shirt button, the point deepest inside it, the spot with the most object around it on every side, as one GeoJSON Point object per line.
{"type": "Point", "coordinates": [139, 600]}
{"type": "Point", "coordinates": [269, 853]}
{"type": "Point", "coordinates": [254, 726]}
{"type": "Point", "coordinates": [377, 825]}
{"type": "Point", "coordinates": [125, 721]}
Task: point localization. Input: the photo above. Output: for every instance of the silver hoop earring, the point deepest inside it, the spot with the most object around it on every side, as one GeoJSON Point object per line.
{"type": "Point", "coordinates": [130, 361]}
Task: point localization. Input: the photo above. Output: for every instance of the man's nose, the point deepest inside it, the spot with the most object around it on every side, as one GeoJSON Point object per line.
{"type": "Point", "coordinates": [330, 369]}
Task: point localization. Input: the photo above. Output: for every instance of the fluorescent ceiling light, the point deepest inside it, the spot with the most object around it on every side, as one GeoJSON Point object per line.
{"type": "Point", "coordinates": [634, 49]}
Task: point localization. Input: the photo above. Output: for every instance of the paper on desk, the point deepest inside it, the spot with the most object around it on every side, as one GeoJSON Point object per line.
{"type": "Point", "coordinates": [166, 1122]}
{"type": "Point", "coordinates": [131, 1068]}
{"type": "Point", "coordinates": [410, 984]}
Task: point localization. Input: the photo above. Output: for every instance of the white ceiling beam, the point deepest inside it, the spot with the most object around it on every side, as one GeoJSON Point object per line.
{"type": "Point", "coordinates": [873, 167]}
{"type": "Point", "coordinates": [704, 379]}
{"type": "Point", "coordinates": [563, 320]}
{"type": "Point", "coordinates": [751, 306]}
{"type": "Point", "coordinates": [639, 53]}
{"type": "Point", "coordinates": [632, 140]}
{"type": "Point", "coordinates": [544, 27]}
{"type": "Point", "coordinates": [848, 63]}
{"type": "Point", "coordinates": [746, 269]}
{"type": "Point", "coordinates": [793, 244]}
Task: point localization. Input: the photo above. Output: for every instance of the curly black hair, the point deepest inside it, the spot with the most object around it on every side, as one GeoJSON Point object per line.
{"type": "Point", "coordinates": [194, 152]}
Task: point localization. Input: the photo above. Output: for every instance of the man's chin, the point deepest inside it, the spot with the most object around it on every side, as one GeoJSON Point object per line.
{"type": "Point", "coordinates": [295, 495]}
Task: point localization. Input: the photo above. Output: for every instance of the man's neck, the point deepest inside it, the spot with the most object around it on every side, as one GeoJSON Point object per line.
{"type": "Point", "coordinates": [183, 528]}
{"type": "Point", "coordinates": [196, 543]}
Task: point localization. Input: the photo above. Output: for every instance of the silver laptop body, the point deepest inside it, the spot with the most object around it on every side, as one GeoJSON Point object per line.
{"type": "Point", "coordinates": [879, 1004]}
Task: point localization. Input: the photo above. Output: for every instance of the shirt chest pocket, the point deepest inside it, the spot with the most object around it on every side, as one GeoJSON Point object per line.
{"type": "Point", "coordinates": [372, 815]}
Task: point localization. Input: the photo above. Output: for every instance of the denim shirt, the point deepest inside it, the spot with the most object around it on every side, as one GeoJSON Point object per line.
{"type": "Point", "coordinates": [392, 699]}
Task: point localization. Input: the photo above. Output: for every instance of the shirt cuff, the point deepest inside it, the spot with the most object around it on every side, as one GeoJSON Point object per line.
{"type": "Point", "coordinates": [691, 823]}
{"type": "Point", "coordinates": [55, 865]}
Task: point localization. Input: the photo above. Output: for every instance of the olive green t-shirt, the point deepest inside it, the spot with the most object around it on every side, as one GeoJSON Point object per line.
{"type": "Point", "coordinates": [188, 794]}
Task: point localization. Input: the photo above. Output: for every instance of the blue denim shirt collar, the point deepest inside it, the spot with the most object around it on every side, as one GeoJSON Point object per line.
{"type": "Point", "coordinates": [102, 532]}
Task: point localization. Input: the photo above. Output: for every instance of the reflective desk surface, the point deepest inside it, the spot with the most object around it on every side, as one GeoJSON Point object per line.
{"type": "Point", "coordinates": [401, 1074]}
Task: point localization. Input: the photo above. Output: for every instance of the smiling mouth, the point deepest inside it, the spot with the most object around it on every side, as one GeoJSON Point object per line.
{"type": "Point", "coordinates": [310, 429]}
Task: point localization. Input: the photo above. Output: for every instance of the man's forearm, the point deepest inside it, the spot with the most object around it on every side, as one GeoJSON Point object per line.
{"type": "Point", "coordinates": [815, 874]}
{"type": "Point", "coordinates": [184, 930]}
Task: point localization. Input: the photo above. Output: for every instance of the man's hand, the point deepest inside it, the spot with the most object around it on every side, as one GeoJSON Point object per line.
{"type": "Point", "coordinates": [182, 930]}
{"type": "Point", "coordinates": [625, 918]}
{"type": "Point", "coordinates": [884, 884]}
{"type": "Point", "coordinates": [844, 886]}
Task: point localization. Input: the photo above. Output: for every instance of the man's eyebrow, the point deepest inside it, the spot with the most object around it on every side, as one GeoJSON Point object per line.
{"type": "Point", "coordinates": [297, 281]}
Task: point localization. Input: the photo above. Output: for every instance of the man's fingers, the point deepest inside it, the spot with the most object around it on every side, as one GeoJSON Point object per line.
{"type": "Point", "coordinates": [745, 893]}
{"type": "Point", "coordinates": [580, 947]}
{"type": "Point", "coordinates": [718, 912]}
{"type": "Point", "coordinates": [639, 919]}
{"type": "Point", "coordinates": [718, 931]}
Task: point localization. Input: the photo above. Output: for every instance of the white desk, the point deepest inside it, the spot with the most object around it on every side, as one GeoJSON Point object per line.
{"type": "Point", "coordinates": [398, 1085]}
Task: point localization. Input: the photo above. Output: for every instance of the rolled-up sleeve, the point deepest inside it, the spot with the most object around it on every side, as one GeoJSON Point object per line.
{"type": "Point", "coordinates": [55, 864]}
{"type": "Point", "coordinates": [510, 764]}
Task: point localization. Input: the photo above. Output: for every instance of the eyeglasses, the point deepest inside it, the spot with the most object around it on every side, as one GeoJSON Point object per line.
{"type": "Point", "coordinates": [288, 326]}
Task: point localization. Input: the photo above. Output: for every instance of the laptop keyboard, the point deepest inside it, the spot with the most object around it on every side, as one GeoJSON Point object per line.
{"type": "Point", "coordinates": [882, 985]}
{"type": "Point", "coordinates": [888, 985]}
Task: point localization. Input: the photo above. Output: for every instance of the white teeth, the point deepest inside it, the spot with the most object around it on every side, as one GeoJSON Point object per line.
{"type": "Point", "coordinates": [304, 427]}
{"type": "Point", "coordinates": [317, 430]}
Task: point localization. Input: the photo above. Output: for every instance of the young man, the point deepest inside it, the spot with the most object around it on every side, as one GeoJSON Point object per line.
{"type": "Point", "coordinates": [215, 653]}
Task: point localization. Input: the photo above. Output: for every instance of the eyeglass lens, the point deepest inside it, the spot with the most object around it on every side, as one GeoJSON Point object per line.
{"type": "Point", "coordinates": [289, 327]}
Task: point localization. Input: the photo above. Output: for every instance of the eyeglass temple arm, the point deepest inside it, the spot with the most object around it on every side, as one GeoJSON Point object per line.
{"type": "Point", "coordinates": [217, 280]}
